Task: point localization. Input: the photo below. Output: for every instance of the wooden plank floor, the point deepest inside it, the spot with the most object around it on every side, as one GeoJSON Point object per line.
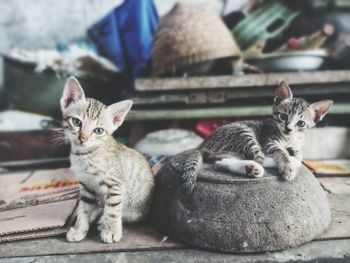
{"type": "Point", "coordinates": [135, 238]}
{"type": "Point", "coordinates": [143, 238]}
{"type": "Point", "coordinates": [334, 251]}
{"type": "Point", "coordinates": [340, 224]}
{"type": "Point", "coordinates": [339, 198]}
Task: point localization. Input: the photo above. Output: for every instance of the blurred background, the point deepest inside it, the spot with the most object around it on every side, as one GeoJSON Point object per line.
{"type": "Point", "coordinates": [189, 66]}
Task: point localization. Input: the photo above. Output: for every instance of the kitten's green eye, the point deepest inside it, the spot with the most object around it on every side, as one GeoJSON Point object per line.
{"type": "Point", "coordinates": [301, 123]}
{"type": "Point", "coordinates": [283, 116]}
{"type": "Point", "coordinates": [76, 122]}
{"type": "Point", "coordinates": [98, 131]}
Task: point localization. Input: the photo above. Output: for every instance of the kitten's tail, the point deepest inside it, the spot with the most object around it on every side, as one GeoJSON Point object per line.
{"type": "Point", "coordinates": [191, 166]}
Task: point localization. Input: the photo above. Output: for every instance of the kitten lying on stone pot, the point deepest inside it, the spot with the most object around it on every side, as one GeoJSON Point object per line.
{"type": "Point", "coordinates": [108, 171]}
{"type": "Point", "coordinates": [246, 147]}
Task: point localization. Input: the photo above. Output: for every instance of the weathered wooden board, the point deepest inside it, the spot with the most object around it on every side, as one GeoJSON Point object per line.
{"type": "Point", "coordinates": [237, 111]}
{"type": "Point", "coordinates": [139, 237]}
{"type": "Point", "coordinates": [39, 144]}
{"type": "Point", "coordinates": [215, 96]}
{"type": "Point", "coordinates": [169, 114]}
{"type": "Point", "coordinates": [336, 185]}
{"type": "Point", "coordinates": [251, 80]}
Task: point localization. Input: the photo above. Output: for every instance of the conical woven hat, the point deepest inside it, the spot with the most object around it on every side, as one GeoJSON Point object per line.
{"type": "Point", "coordinates": [190, 34]}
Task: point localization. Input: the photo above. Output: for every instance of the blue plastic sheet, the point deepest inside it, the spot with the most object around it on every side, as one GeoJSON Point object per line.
{"type": "Point", "coordinates": [125, 35]}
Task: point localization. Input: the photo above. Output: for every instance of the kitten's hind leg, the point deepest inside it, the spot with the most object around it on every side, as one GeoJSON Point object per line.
{"type": "Point", "coordinates": [235, 165]}
{"type": "Point", "coordinates": [133, 215]}
{"type": "Point", "coordinates": [193, 162]}
{"type": "Point", "coordinates": [96, 214]}
{"type": "Point", "coordinates": [269, 162]}
{"type": "Point", "coordinates": [212, 157]}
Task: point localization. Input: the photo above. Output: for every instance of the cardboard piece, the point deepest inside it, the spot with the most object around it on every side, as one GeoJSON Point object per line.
{"type": "Point", "coordinates": [329, 167]}
{"type": "Point", "coordinates": [36, 203]}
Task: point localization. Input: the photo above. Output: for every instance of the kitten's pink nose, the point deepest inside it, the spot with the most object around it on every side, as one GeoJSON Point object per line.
{"type": "Point", "coordinates": [288, 130]}
{"type": "Point", "coordinates": [83, 137]}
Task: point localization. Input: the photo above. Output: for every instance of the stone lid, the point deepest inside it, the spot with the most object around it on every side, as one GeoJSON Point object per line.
{"type": "Point", "coordinates": [209, 174]}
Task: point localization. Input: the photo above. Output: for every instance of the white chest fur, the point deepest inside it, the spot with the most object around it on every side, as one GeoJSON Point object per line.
{"type": "Point", "coordinates": [296, 141]}
{"type": "Point", "coordinates": [89, 172]}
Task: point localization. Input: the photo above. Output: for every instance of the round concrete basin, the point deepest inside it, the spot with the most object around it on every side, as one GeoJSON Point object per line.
{"type": "Point", "coordinates": [233, 213]}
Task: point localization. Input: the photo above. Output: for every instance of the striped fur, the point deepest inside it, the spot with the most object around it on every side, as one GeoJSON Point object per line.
{"type": "Point", "coordinates": [243, 147]}
{"type": "Point", "coordinates": [109, 172]}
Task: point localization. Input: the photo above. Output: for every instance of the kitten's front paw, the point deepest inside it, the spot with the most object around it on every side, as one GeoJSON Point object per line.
{"type": "Point", "coordinates": [109, 236]}
{"type": "Point", "coordinates": [259, 157]}
{"type": "Point", "coordinates": [296, 162]}
{"type": "Point", "coordinates": [254, 169]}
{"type": "Point", "coordinates": [101, 223]}
{"type": "Point", "coordinates": [74, 235]}
{"type": "Point", "coordinates": [288, 172]}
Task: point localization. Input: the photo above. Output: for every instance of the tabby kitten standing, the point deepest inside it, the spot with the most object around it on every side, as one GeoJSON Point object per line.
{"type": "Point", "coordinates": [109, 172]}
{"type": "Point", "coordinates": [242, 147]}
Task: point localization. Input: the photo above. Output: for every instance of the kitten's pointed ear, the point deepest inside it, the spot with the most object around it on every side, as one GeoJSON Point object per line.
{"type": "Point", "coordinates": [72, 93]}
{"type": "Point", "coordinates": [283, 93]}
{"type": "Point", "coordinates": [118, 111]}
{"type": "Point", "coordinates": [320, 109]}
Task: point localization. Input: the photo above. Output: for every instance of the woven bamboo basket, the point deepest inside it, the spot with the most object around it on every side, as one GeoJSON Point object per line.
{"type": "Point", "coordinates": [191, 34]}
